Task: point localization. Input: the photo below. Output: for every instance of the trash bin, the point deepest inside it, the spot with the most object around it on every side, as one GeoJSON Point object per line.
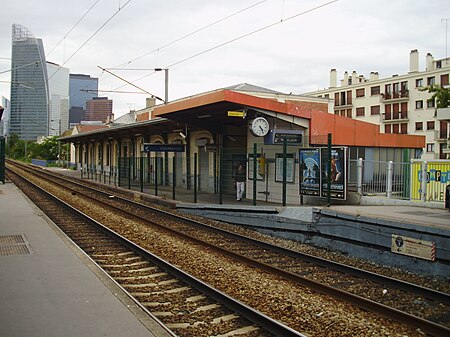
{"type": "Point", "coordinates": [447, 197]}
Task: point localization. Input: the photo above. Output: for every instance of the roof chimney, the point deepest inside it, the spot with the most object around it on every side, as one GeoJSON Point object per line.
{"type": "Point", "coordinates": [374, 76]}
{"type": "Point", "coordinates": [414, 61]}
{"type": "Point", "coordinates": [333, 78]}
{"type": "Point", "coordinates": [354, 77]}
{"type": "Point", "coordinates": [150, 102]}
{"type": "Point", "coordinates": [430, 61]}
{"type": "Point", "coordinates": [345, 82]}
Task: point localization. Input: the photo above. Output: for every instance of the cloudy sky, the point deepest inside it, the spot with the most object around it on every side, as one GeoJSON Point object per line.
{"type": "Point", "coordinates": [285, 45]}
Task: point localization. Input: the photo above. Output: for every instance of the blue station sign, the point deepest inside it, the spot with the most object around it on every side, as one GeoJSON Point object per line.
{"type": "Point", "coordinates": [149, 147]}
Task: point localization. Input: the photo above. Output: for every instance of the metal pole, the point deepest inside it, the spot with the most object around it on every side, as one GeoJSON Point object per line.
{"type": "Point", "coordinates": [174, 176]}
{"type": "Point", "coordinates": [221, 154]}
{"type": "Point", "coordinates": [329, 171]}
{"type": "Point", "coordinates": [156, 174]}
{"type": "Point", "coordinates": [284, 169]}
{"type": "Point", "coordinates": [166, 87]}
{"type": "Point", "coordinates": [195, 177]}
{"type": "Point", "coordinates": [423, 185]}
{"type": "Point", "coordinates": [142, 174]}
{"type": "Point", "coordinates": [359, 175]}
{"type": "Point", "coordinates": [389, 173]}
{"type": "Point", "coordinates": [254, 174]}
{"type": "Point", "coordinates": [129, 173]}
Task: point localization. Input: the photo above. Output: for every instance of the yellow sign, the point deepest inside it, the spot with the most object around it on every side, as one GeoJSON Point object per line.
{"type": "Point", "coordinates": [236, 114]}
{"type": "Point", "coordinates": [438, 177]}
{"type": "Point", "coordinates": [413, 247]}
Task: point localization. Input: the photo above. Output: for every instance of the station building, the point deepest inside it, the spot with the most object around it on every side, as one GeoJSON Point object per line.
{"type": "Point", "coordinates": [196, 143]}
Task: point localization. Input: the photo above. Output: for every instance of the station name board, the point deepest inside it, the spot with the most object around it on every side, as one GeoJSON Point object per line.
{"type": "Point", "coordinates": [277, 137]}
{"type": "Point", "coordinates": [148, 147]}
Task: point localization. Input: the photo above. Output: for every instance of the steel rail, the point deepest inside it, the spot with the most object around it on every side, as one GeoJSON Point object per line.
{"type": "Point", "coordinates": [267, 323]}
{"type": "Point", "coordinates": [340, 267]}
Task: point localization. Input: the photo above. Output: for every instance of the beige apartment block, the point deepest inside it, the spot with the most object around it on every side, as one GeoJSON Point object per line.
{"type": "Point", "coordinates": [396, 103]}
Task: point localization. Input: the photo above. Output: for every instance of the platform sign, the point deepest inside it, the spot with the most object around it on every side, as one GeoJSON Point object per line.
{"type": "Point", "coordinates": [236, 114]}
{"type": "Point", "coordinates": [149, 147]}
{"type": "Point", "coordinates": [413, 247]}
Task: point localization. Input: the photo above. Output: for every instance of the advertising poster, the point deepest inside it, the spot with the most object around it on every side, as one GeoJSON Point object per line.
{"type": "Point", "coordinates": [310, 171]}
{"type": "Point", "coordinates": [338, 173]}
{"type": "Point", "coordinates": [437, 177]}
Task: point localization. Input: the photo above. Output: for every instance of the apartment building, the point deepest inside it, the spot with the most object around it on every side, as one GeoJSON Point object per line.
{"type": "Point", "coordinates": [395, 103]}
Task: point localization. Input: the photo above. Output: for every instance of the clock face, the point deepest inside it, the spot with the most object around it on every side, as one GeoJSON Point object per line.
{"type": "Point", "coordinates": [260, 126]}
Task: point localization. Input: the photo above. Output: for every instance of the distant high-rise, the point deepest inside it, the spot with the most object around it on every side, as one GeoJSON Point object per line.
{"type": "Point", "coordinates": [29, 89]}
{"type": "Point", "coordinates": [82, 88]}
{"type": "Point", "coordinates": [99, 109]}
{"type": "Point", "coordinates": [58, 86]}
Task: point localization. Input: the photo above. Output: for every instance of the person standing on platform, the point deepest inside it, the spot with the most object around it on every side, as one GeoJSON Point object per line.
{"type": "Point", "coordinates": [239, 181]}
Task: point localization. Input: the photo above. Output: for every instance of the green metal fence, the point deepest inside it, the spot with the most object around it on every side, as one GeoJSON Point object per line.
{"type": "Point", "coordinates": [2, 159]}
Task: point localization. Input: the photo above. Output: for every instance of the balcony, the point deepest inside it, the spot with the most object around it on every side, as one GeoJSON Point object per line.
{"type": "Point", "coordinates": [394, 117]}
{"type": "Point", "coordinates": [389, 97]}
{"type": "Point", "coordinates": [443, 114]}
{"type": "Point", "coordinates": [441, 136]}
{"type": "Point", "coordinates": [344, 105]}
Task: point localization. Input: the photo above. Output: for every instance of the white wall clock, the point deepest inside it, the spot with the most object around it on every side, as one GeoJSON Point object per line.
{"type": "Point", "coordinates": [259, 127]}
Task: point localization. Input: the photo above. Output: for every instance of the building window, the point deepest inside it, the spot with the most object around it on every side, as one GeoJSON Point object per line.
{"type": "Point", "coordinates": [349, 113]}
{"type": "Point", "coordinates": [387, 111]}
{"type": "Point", "coordinates": [375, 90]}
{"type": "Point", "coordinates": [387, 91]}
{"type": "Point", "coordinates": [430, 80]}
{"type": "Point", "coordinates": [419, 126]}
{"type": "Point", "coordinates": [404, 128]}
{"type": "Point", "coordinates": [444, 79]}
{"type": "Point", "coordinates": [360, 92]}
{"type": "Point", "coordinates": [387, 128]}
{"type": "Point", "coordinates": [430, 125]}
{"type": "Point", "coordinates": [419, 82]}
{"type": "Point", "coordinates": [336, 99]}
{"type": "Point", "coordinates": [360, 112]}
{"type": "Point", "coordinates": [430, 147]}
{"type": "Point", "coordinates": [419, 104]}
{"type": "Point", "coordinates": [375, 110]}
{"type": "Point", "coordinates": [395, 128]}
{"type": "Point", "coordinates": [430, 103]}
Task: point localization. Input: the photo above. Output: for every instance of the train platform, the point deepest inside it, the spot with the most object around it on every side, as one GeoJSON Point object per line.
{"type": "Point", "coordinates": [50, 288]}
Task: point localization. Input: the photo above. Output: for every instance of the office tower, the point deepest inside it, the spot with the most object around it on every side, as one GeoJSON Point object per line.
{"type": "Point", "coordinates": [29, 89]}
{"type": "Point", "coordinates": [82, 88]}
{"type": "Point", "coordinates": [99, 109]}
{"type": "Point", "coordinates": [58, 86]}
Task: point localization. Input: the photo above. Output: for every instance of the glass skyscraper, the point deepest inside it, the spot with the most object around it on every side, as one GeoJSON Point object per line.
{"type": "Point", "coordinates": [29, 86]}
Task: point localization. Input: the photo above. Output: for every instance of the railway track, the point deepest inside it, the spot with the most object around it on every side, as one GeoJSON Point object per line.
{"type": "Point", "coordinates": [340, 281]}
{"type": "Point", "coordinates": [185, 305]}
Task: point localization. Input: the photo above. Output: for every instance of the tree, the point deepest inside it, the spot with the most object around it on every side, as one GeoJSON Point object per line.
{"type": "Point", "coordinates": [441, 95]}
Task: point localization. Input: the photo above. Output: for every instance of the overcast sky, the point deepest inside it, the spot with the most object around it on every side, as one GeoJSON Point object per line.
{"type": "Point", "coordinates": [294, 55]}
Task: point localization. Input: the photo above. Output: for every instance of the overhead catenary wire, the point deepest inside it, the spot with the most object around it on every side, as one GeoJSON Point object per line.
{"type": "Point", "coordinates": [252, 32]}
{"type": "Point", "coordinates": [90, 37]}
{"type": "Point", "coordinates": [243, 36]}
{"type": "Point", "coordinates": [184, 37]}
{"type": "Point", "coordinates": [73, 27]}
{"type": "Point", "coordinates": [193, 32]}
{"type": "Point", "coordinates": [128, 82]}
